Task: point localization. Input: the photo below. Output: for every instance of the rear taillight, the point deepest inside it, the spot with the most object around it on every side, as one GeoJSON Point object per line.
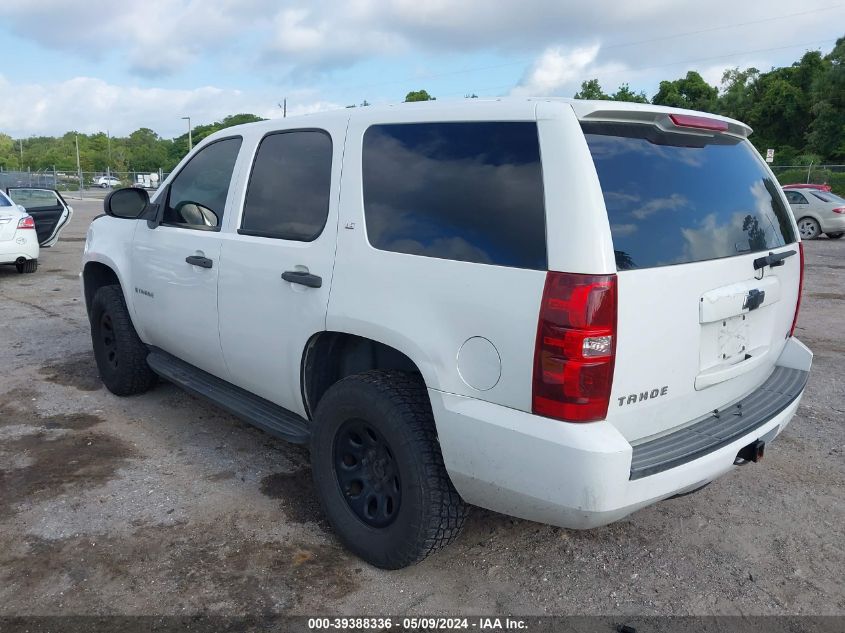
{"type": "Point", "coordinates": [698, 122]}
{"type": "Point", "coordinates": [575, 348]}
{"type": "Point", "coordinates": [839, 210]}
{"type": "Point", "coordinates": [26, 222]}
{"type": "Point", "coordinates": [800, 287]}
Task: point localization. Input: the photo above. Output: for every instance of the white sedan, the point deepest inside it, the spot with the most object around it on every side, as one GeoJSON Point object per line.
{"type": "Point", "coordinates": [18, 239]}
{"type": "Point", "coordinates": [817, 212]}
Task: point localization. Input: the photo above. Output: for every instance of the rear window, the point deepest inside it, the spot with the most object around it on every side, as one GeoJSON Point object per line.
{"type": "Point", "coordinates": [4, 201]}
{"type": "Point", "coordinates": [471, 192]}
{"type": "Point", "coordinates": [676, 198]}
{"type": "Point", "coordinates": [827, 197]}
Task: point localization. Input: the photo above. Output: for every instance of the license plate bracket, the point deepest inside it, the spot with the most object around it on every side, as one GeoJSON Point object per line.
{"type": "Point", "coordinates": [733, 339]}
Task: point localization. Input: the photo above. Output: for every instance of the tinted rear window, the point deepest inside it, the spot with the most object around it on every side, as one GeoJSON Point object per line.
{"type": "Point", "coordinates": [827, 197]}
{"type": "Point", "coordinates": [465, 191]}
{"type": "Point", "coordinates": [675, 199]}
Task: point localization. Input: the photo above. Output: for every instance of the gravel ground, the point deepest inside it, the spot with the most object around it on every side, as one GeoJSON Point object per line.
{"type": "Point", "coordinates": [161, 504]}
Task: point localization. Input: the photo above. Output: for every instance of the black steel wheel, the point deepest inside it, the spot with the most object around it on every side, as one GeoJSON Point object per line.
{"type": "Point", "coordinates": [367, 473]}
{"type": "Point", "coordinates": [379, 472]}
{"type": "Point", "coordinates": [121, 356]}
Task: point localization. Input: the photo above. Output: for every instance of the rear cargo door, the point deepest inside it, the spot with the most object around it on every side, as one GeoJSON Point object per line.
{"type": "Point", "coordinates": [47, 207]}
{"type": "Point", "coordinates": [699, 323]}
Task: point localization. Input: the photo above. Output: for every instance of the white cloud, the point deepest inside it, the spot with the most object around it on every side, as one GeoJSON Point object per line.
{"type": "Point", "coordinates": [559, 71]}
{"type": "Point", "coordinates": [87, 104]}
{"type": "Point", "coordinates": [164, 36]}
{"type": "Point", "coordinates": [672, 203]}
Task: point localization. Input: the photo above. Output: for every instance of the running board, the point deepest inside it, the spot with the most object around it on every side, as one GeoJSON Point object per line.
{"type": "Point", "coordinates": [248, 407]}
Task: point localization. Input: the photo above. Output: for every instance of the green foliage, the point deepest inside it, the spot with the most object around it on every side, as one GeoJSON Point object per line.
{"type": "Point", "coordinates": [143, 150]}
{"type": "Point", "coordinates": [624, 93]}
{"type": "Point", "coordinates": [689, 92]}
{"type": "Point", "coordinates": [591, 89]}
{"type": "Point", "coordinates": [418, 95]}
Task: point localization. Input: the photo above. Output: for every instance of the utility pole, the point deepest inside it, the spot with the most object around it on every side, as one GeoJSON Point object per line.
{"type": "Point", "coordinates": [21, 142]}
{"type": "Point", "coordinates": [285, 108]}
{"type": "Point", "coordinates": [78, 168]}
{"type": "Point", "coordinates": [190, 140]}
{"type": "Point", "coordinates": [108, 167]}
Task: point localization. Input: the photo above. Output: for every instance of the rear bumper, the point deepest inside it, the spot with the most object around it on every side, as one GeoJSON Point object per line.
{"type": "Point", "coordinates": [573, 475]}
{"type": "Point", "coordinates": [833, 225]}
{"type": "Point", "coordinates": [11, 250]}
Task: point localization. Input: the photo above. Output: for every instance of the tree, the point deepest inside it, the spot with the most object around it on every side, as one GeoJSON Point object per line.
{"type": "Point", "coordinates": [624, 93]}
{"type": "Point", "coordinates": [418, 95]}
{"type": "Point", "coordinates": [689, 92]}
{"type": "Point", "coordinates": [591, 90]}
{"type": "Point", "coordinates": [737, 97]}
{"type": "Point", "coordinates": [826, 134]}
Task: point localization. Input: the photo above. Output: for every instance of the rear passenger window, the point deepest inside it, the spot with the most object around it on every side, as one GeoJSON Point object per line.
{"type": "Point", "coordinates": [464, 191]}
{"type": "Point", "coordinates": [288, 192]}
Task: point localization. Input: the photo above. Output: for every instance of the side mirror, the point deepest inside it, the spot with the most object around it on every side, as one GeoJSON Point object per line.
{"type": "Point", "coordinates": [127, 203]}
{"type": "Point", "coordinates": [197, 215]}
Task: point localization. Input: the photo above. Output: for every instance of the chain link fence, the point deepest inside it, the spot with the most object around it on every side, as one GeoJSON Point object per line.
{"type": "Point", "coordinates": [86, 181]}
{"type": "Point", "coordinates": [833, 175]}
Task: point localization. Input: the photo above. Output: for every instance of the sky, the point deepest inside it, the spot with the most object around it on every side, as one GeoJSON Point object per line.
{"type": "Point", "coordinates": [118, 66]}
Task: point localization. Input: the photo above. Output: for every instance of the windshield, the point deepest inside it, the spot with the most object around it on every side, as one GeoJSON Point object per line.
{"type": "Point", "coordinates": [676, 198]}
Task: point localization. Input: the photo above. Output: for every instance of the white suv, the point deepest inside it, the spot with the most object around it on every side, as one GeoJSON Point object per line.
{"type": "Point", "coordinates": [559, 310]}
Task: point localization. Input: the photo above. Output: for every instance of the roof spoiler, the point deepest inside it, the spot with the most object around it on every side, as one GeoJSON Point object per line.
{"type": "Point", "coordinates": [667, 119]}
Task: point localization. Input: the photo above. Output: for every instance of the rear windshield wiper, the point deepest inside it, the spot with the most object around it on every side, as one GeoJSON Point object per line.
{"type": "Point", "coordinates": [772, 259]}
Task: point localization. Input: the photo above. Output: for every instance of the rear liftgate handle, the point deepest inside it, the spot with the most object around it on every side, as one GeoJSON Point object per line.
{"type": "Point", "coordinates": [303, 278]}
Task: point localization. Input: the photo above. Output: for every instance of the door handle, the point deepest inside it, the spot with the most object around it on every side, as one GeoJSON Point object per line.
{"type": "Point", "coordinates": [303, 278]}
{"type": "Point", "coordinates": [197, 260]}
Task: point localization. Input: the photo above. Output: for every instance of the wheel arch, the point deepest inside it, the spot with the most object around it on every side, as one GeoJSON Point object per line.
{"type": "Point", "coordinates": [95, 275]}
{"type": "Point", "coordinates": [330, 356]}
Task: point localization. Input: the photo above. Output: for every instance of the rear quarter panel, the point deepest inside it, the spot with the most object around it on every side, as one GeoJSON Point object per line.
{"type": "Point", "coordinates": [427, 307]}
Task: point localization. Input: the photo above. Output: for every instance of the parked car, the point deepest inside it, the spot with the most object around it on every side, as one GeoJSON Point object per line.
{"type": "Point", "coordinates": [817, 212]}
{"type": "Point", "coordinates": [106, 182]}
{"type": "Point", "coordinates": [18, 241]}
{"type": "Point", "coordinates": [47, 207]}
{"type": "Point", "coordinates": [560, 310]}
{"type": "Point", "coordinates": [808, 186]}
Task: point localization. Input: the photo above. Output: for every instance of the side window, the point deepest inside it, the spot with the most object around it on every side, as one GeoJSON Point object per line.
{"type": "Point", "coordinates": [796, 198]}
{"type": "Point", "coordinates": [465, 191]}
{"type": "Point", "coordinates": [289, 188]}
{"type": "Point", "coordinates": [197, 196]}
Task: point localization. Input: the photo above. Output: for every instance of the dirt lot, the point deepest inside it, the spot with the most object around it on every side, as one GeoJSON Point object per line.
{"type": "Point", "coordinates": [160, 504]}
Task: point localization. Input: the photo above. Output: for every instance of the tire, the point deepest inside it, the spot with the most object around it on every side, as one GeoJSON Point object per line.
{"type": "Point", "coordinates": [121, 356]}
{"type": "Point", "coordinates": [398, 464]}
{"type": "Point", "coordinates": [809, 228]}
{"type": "Point", "coordinates": [28, 266]}
{"type": "Point", "coordinates": [834, 236]}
